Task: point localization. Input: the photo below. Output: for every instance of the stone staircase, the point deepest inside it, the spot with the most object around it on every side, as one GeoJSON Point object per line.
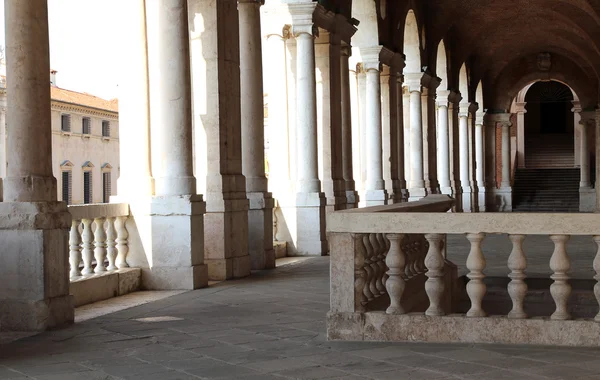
{"type": "Point", "coordinates": [549, 183]}
{"type": "Point", "coordinates": [546, 190]}
{"type": "Point", "coordinates": [550, 151]}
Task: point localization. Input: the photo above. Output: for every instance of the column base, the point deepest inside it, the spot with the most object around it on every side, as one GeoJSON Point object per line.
{"type": "Point", "coordinates": [446, 190]}
{"type": "Point", "coordinates": [177, 260]}
{"type": "Point", "coordinates": [311, 237]}
{"type": "Point", "coordinates": [587, 199]}
{"type": "Point", "coordinates": [468, 199]}
{"type": "Point", "coordinates": [481, 197]}
{"type": "Point", "coordinates": [34, 274]}
{"type": "Point", "coordinates": [352, 199]}
{"type": "Point", "coordinates": [226, 238]}
{"type": "Point", "coordinates": [416, 194]}
{"type": "Point", "coordinates": [504, 197]}
{"type": "Point", "coordinates": [376, 198]}
{"type": "Point", "coordinates": [260, 231]}
{"type": "Point", "coordinates": [457, 195]}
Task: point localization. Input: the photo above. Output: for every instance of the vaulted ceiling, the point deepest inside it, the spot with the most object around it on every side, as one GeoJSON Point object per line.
{"type": "Point", "coordinates": [502, 41]}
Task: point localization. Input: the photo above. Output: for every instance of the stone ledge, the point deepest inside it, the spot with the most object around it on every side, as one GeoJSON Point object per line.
{"type": "Point", "coordinates": [457, 328]}
{"type": "Point", "coordinates": [34, 216]}
{"type": "Point", "coordinates": [100, 287]}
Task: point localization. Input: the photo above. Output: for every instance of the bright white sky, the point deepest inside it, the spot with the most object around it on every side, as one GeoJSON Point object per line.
{"type": "Point", "coordinates": [83, 44]}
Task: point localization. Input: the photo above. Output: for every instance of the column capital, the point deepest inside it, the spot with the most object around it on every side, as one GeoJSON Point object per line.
{"type": "Point", "coordinates": [479, 115]}
{"type": "Point", "coordinates": [520, 107]}
{"type": "Point", "coordinates": [302, 18]}
{"type": "Point", "coordinates": [415, 81]}
{"type": "Point", "coordinates": [345, 50]}
{"type": "Point", "coordinates": [373, 57]}
{"type": "Point", "coordinates": [442, 98]}
{"type": "Point", "coordinates": [454, 97]}
{"type": "Point", "coordinates": [324, 18]}
{"type": "Point", "coordinates": [494, 120]}
{"type": "Point", "coordinates": [463, 109]}
{"type": "Point", "coordinates": [345, 28]}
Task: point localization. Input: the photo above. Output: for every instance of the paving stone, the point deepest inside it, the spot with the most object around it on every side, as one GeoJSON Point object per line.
{"type": "Point", "coordinates": [224, 371]}
{"type": "Point", "coordinates": [559, 372]}
{"type": "Point", "coordinates": [410, 374]}
{"type": "Point", "coordinates": [317, 372]}
{"type": "Point", "coordinates": [51, 369]}
{"type": "Point", "coordinates": [86, 375]}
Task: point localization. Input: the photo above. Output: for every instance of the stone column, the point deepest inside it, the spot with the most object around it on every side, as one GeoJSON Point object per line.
{"type": "Point", "coordinates": [329, 113]}
{"type": "Point", "coordinates": [3, 147]}
{"type": "Point", "coordinates": [401, 138]}
{"type": "Point", "coordinates": [388, 134]}
{"type": "Point", "coordinates": [505, 155]}
{"type": "Point", "coordinates": [174, 263]}
{"type": "Point", "coordinates": [34, 274]}
{"type": "Point", "coordinates": [443, 146]}
{"type": "Point", "coordinates": [217, 123]}
{"type": "Point", "coordinates": [395, 159]}
{"type": "Point", "coordinates": [310, 201]}
{"type": "Point", "coordinates": [521, 111]}
{"type": "Point", "coordinates": [587, 194]}
{"type": "Point", "coordinates": [454, 99]}
{"type": "Point", "coordinates": [375, 185]}
{"type": "Point", "coordinates": [480, 160]}
{"type": "Point", "coordinates": [260, 214]}
{"type": "Point", "coordinates": [406, 131]}
{"type": "Point", "coordinates": [417, 181]}
{"type": "Point", "coordinates": [472, 160]}
{"type": "Point", "coordinates": [504, 194]}
{"type": "Point", "coordinates": [491, 186]}
{"type": "Point", "coordinates": [429, 131]}
{"type": "Point", "coordinates": [346, 106]}
{"type": "Point", "coordinates": [463, 137]}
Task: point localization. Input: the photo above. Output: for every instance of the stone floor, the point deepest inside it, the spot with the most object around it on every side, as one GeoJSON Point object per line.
{"type": "Point", "coordinates": [269, 326]}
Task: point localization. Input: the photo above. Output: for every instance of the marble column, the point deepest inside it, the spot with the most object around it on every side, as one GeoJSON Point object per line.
{"type": "Point", "coordinates": [587, 195]}
{"type": "Point", "coordinates": [388, 133]}
{"type": "Point", "coordinates": [375, 185]}
{"type": "Point", "coordinates": [429, 131]}
{"type": "Point", "coordinates": [521, 111]}
{"type": "Point", "coordinates": [443, 146]}
{"type": "Point", "coordinates": [505, 191]}
{"type": "Point", "coordinates": [218, 144]}
{"type": "Point", "coordinates": [480, 160]}
{"type": "Point", "coordinates": [34, 274]}
{"type": "Point", "coordinates": [472, 160]}
{"type": "Point", "coordinates": [3, 148]}
{"type": "Point", "coordinates": [406, 132]}
{"type": "Point", "coordinates": [310, 201]}
{"type": "Point", "coordinates": [260, 213]}
{"type": "Point", "coordinates": [395, 195]}
{"type": "Point", "coordinates": [491, 187]}
{"type": "Point", "coordinates": [454, 99]}
{"type": "Point", "coordinates": [400, 111]}
{"type": "Point", "coordinates": [174, 263]}
{"type": "Point", "coordinates": [417, 181]}
{"type": "Point", "coordinates": [346, 107]}
{"type": "Point", "coordinates": [463, 137]}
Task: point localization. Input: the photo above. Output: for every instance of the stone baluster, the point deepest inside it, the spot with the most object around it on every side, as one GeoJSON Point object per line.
{"type": "Point", "coordinates": [378, 263]}
{"type": "Point", "coordinates": [517, 288]}
{"type": "Point", "coordinates": [74, 249]}
{"type": "Point", "coordinates": [360, 274]}
{"type": "Point", "coordinates": [476, 264]}
{"type": "Point", "coordinates": [597, 276]}
{"type": "Point", "coordinates": [395, 284]}
{"type": "Point", "coordinates": [435, 275]}
{"type": "Point", "coordinates": [373, 266]}
{"type": "Point", "coordinates": [87, 244]}
{"type": "Point", "coordinates": [111, 244]}
{"type": "Point", "coordinates": [385, 248]}
{"type": "Point", "coordinates": [122, 242]}
{"type": "Point", "coordinates": [560, 265]}
{"type": "Point", "coordinates": [364, 250]}
{"type": "Point", "coordinates": [100, 245]}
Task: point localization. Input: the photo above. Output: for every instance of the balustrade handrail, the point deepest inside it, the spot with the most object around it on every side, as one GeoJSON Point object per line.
{"type": "Point", "coordinates": [91, 211]}
{"type": "Point", "coordinates": [462, 223]}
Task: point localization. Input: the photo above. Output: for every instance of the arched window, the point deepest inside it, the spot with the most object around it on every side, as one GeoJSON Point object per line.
{"type": "Point", "coordinates": [106, 182]}
{"type": "Point", "coordinates": [66, 178]}
{"type": "Point", "coordinates": [88, 195]}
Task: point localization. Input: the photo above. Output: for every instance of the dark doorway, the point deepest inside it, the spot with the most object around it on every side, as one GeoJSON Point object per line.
{"type": "Point", "coordinates": [549, 107]}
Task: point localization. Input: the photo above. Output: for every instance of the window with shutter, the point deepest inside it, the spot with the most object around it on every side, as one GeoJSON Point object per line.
{"type": "Point", "coordinates": [106, 128]}
{"type": "Point", "coordinates": [106, 187]}
{"type": "Point", "coordinates": [86, 126]}
{"type": "Point", "coordinates": [67, 186]}
{"type": "Point", "coordinates": [87, 187]}
{"type": "Point", "coordinates": [65, 123]}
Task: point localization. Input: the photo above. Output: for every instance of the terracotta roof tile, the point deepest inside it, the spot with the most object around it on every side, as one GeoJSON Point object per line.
{"type": "Point", "coordinates": [86, 100]}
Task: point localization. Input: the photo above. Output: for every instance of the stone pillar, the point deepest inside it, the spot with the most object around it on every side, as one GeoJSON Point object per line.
{"type": "Point", "coordinates": [329, 113]}
{"type": "Point", "coordinates": [174, 263]}
{"type": "Point", "coordinates": [400, 111]}
{"type": "Point", "coordinates": [396, 195]}
{"type": "Point", "coordinates": [491, 187]}
{"type": "Point", "coordinates": [406, 131]}
{"type": "Point", "coordinates": [3, 147]}
{"type": "Point", "coordinates": [346, 106]}
{"type": "Point", "coordinates": [34, 274]}
{"type": "Point", "coordinates": [375, 185]}
{"type": "Point", "coordinates": [480, 160]}
{"type": "Point", "coordinates": [260, 213]}
{"type": "Point", "coordinates": [454, 99]}
{"type": "Point", "coordinates": [310, 201]}
{"type": "Point", "coordinates": [429, 133]}
{"type": "Point", "coordinates": [417, 181]}
{"type": "Point", "coordinates": [388, 134]}
{"type": "Point", "coordinates": [217, 123]}
{"type": "Point", "coordinates": [463, 137]}
{"type": "Point", "coordinates": [443, 146]}
{"type": "Point", "coordinates": [505, 191]}
{"type": "Point", "coordinates": [521, 111]}
{"type": "Point", "coordinates": [587, 194]}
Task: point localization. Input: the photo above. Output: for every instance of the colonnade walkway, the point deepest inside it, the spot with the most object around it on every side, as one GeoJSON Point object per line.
{"type": "Point", "coordinates": [268, 326]}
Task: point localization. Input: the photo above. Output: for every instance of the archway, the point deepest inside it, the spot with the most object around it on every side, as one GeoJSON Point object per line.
{"type": "Point", "coordinates": [546, 179]}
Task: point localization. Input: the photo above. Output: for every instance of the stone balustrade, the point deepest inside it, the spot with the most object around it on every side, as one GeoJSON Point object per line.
{"type": "Point", "coordinates": [432, 310]}
{"type": "Point", "coordinates": [98, 248]}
